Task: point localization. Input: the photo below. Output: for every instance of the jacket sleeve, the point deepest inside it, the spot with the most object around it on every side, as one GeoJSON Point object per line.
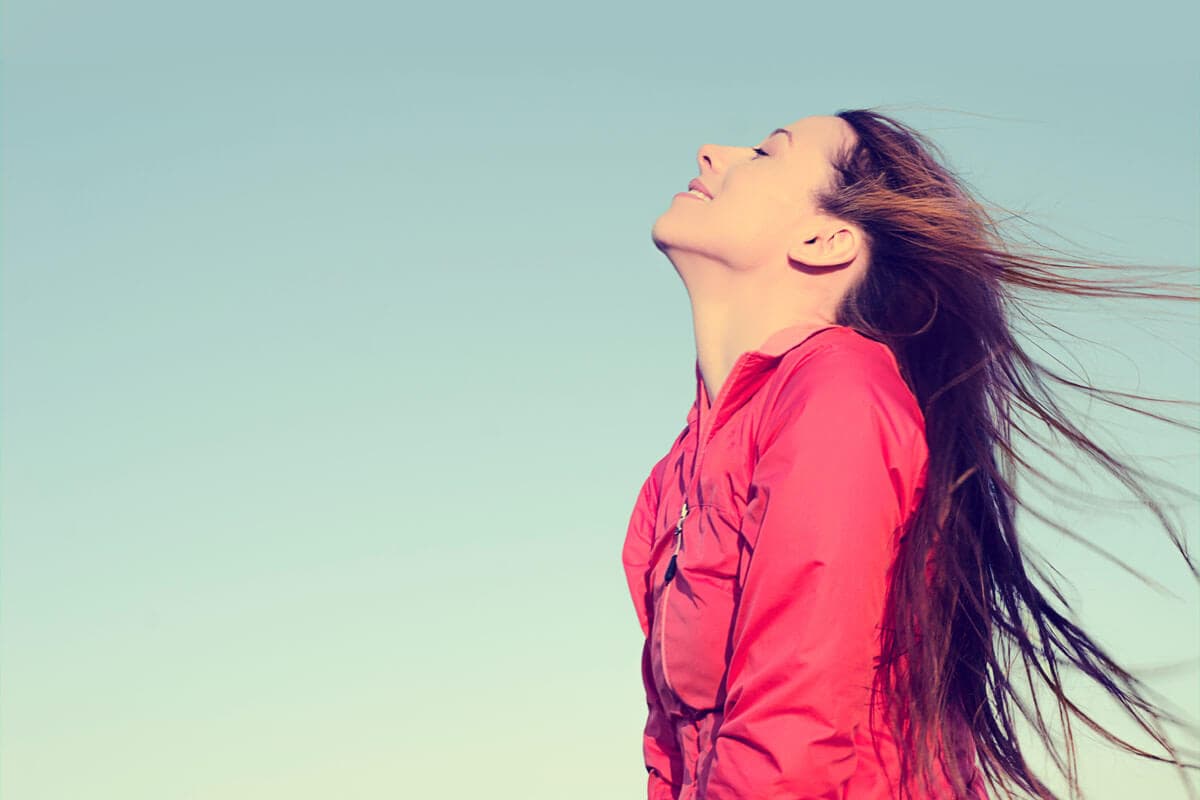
{"type": "Point", "coordinates": [838, 457]}
{"type": "Point", "coordinates": [660, 751]}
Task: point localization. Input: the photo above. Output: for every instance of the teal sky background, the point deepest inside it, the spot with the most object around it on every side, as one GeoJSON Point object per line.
{"type": "Point", "coordinates": [335, 350]}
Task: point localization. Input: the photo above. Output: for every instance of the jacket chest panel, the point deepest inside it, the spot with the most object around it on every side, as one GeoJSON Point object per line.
{"type": "Point", "coordinates": [694, 565]}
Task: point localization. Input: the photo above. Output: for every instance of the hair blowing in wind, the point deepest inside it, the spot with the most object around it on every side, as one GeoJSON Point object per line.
{"type": "Point", "coordinates": [975, 627]}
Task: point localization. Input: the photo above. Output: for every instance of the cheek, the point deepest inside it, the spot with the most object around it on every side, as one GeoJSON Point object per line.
{"type": "Point", "coordinates": [754, 217]}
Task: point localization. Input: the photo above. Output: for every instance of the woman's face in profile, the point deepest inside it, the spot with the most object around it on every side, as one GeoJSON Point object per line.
{"type": "Point", "coordinates": [761, 196]}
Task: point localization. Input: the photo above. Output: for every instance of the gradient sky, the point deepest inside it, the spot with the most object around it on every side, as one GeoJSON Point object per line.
{"type": "Point", "coordinates": [335, 350]}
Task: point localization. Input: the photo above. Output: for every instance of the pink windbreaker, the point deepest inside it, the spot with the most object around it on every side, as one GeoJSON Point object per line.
{"type": "Point", "coordinates": [757, 556]}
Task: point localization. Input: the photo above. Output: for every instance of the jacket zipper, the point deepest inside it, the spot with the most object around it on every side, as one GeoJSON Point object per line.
{"type": "Point", "coordinates": [662, 606]}
{"type": "Point", "coordinates": [672, 566]}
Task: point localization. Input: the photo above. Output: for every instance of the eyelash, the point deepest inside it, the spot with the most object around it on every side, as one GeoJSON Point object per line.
{"type": "Point", "coordinates": [759, 151]}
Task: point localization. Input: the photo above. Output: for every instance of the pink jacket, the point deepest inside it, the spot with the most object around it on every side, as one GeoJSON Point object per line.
{"type": "Point", "coordinates": [757, 556]}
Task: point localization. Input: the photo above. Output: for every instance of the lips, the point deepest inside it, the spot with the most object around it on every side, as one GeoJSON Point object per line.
{"type": "Point", "coordinates": [700, 187]}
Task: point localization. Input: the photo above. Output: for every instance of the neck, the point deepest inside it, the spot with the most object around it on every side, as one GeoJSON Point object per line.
{"type": "Point", "coordinates": [742, 317]}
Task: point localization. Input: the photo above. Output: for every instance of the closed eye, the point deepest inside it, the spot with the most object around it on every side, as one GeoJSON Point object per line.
{"type": "Point", "coordinates": [758, 151]}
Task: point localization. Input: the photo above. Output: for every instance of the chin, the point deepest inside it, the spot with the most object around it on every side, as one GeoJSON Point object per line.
{"type": "Point", "coordinates": [661, 232]}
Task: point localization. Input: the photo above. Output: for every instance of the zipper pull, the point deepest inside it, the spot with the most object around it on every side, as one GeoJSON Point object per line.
{"type": "Point", "coordinates": [670, 571]}
{"type": "Point", "coordinates": [679, 526]}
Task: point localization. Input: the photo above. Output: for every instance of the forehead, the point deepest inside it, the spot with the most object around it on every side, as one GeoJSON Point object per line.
{"type": "Point", "coordinates": [820, 136]}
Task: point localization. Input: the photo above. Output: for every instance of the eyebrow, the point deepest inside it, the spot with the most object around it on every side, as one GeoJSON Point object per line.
{"type": "Point", "coordinates": [784, 131]}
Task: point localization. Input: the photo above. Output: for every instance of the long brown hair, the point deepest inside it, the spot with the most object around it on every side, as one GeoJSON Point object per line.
{"type": "Point", "coordinates": [971, 615]}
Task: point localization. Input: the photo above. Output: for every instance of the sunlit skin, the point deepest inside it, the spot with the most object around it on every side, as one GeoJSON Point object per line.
{"type": "Point", "coordinates": [758, 257]}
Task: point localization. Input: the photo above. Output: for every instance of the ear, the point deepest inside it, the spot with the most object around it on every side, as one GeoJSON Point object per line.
{"type": "Point", "coordinates": [827, 243]}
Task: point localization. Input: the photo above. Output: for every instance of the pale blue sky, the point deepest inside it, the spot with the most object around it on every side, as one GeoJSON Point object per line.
{"type": "Point", "coordinates": [335, 349]}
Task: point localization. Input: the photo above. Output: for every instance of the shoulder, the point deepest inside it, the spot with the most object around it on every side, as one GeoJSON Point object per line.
{"type": "Point", "coordinates": [843, 377]}
{"type": "Point", "coordinates": [840, 351]}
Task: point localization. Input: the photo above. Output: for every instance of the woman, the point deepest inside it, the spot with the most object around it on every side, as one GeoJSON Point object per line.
{"type": "Point", "coordinates": [824, 564]}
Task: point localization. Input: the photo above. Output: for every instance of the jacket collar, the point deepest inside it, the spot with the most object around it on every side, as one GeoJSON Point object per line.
{"type": "Point", "coordinates": [748, 374]}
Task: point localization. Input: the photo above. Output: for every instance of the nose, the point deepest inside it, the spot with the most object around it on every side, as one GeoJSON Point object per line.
{"type": "Point", "coordinates": [709, 158]}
